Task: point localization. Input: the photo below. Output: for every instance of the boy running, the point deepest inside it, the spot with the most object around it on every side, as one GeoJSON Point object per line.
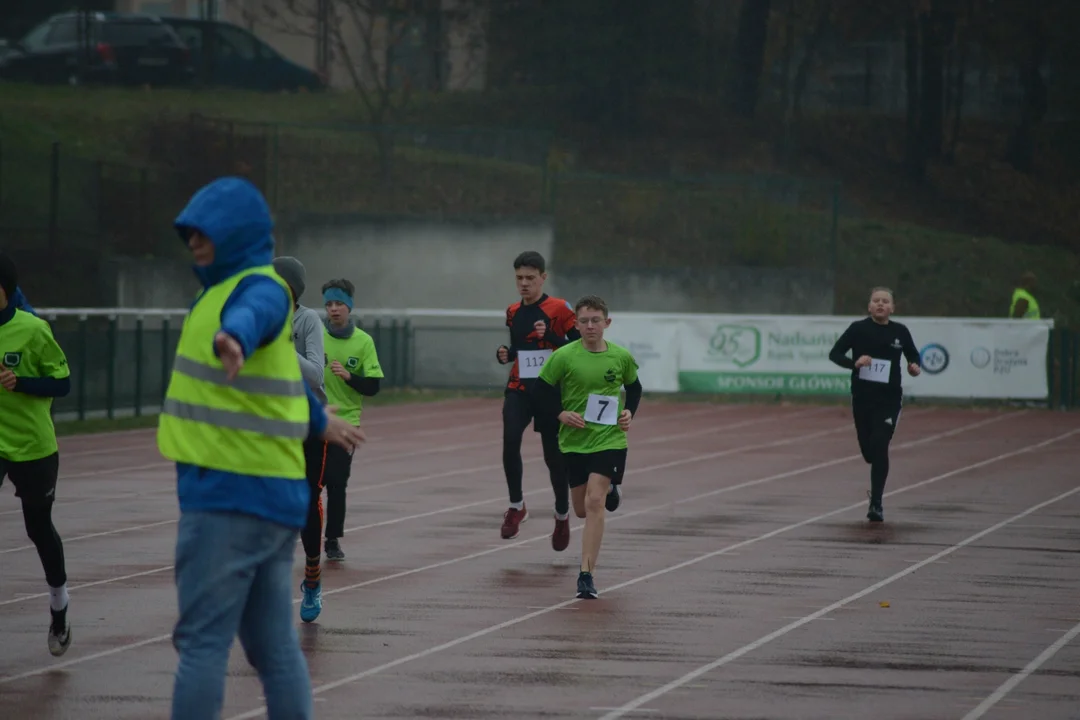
{"type": "Point", "coordinates": [33, 371]}
{"type": "Point", "coordinates": [877, 346]}
{"type": "Point", "coordinates": [538, 325]}
{"type": "Point", "coordinates": [352, 373]}
{"type": "Point", "coordinates": [307, 338]}
{"type": "Point", "coordinates": [590, 372]}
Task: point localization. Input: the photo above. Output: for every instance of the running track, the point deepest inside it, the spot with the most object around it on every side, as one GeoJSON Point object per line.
{"type": "Point", "coordinates": [738, 580]}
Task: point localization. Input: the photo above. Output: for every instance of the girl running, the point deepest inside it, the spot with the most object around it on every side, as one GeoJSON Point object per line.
{"type": "Point", "coordinates": [876, 344]}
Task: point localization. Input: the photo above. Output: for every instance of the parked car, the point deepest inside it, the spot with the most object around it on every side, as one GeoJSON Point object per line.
{"type": "Point", "coordinates": [109, 48]}
{"type": "Point", "coordinates": [227, 55]}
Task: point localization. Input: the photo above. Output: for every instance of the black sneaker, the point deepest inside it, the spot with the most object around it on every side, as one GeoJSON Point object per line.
{"type": "Point", "coordinates": [585, 587]}
{"type": "Point", "coordinates": [59, 633]}
{"type": "Point", "coordinates": [875, 513]}
{"type": "Point", "coordinates": [333, 550]}
{"type": "Point", "coordinates": [614, 496]}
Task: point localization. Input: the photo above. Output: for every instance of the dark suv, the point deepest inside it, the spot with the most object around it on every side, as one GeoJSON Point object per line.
{"type": "Point", "coordinates": [99, 47]}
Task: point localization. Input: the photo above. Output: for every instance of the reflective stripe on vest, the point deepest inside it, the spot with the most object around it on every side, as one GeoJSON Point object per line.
{"type": "Point", "coordinates": [254, 424]}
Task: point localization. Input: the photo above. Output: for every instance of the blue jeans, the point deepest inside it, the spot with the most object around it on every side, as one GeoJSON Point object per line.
{"type": "Point", "coordinates": [234, 576]}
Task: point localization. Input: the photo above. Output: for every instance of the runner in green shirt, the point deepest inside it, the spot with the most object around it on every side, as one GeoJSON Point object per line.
{"type": "Point", "coordinates": [352, 373]}
{"type": "Point", "coordinates": [33, 371]}
{"type": "Point", "coordinates": [591, 372]}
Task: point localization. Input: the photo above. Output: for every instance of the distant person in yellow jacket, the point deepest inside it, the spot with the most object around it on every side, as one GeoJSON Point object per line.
{"type": "Point", "coordinates": [1024, 305]}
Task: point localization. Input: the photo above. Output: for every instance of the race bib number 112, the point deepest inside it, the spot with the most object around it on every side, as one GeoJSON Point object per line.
{"type": "Point", "coordinates": [530, 362]}
{"type": "Point", "coordinates": [602, 410]}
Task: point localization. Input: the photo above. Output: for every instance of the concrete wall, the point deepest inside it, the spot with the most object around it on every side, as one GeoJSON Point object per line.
{"type": "Point", "coordinates": [407, 263]}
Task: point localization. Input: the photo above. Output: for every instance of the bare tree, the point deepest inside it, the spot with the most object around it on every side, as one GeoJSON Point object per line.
{"type": "Point", "coordinates": [363, 38]}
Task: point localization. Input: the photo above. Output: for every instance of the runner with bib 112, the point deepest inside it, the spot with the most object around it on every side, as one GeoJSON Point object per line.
{"type": "Point", "coordinates": [877, 345]}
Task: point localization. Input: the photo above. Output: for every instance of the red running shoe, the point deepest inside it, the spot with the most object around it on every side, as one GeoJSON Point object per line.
{"type": "Point", "coordinates": [560, 538]}
{"type": "Point", "coordinates": [512, 520]}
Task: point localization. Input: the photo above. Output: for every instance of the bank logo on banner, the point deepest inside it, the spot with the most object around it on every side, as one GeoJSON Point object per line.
{"type": "Point", "coordinates": [934, 358]}
{"type": "Point", "coordinates": [739, 345]}
{"type": "Point", "coordinates": [981, 357]}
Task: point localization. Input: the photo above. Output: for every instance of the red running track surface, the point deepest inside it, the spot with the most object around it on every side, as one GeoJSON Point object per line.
{"type": "Point", "coordinates": [739, 579]}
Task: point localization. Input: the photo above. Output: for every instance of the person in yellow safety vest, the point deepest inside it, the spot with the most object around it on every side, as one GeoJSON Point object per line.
{"type": "Point", "coordinates": [1024, 305]}
{"type": "Point", "coordinates": [236, 414]}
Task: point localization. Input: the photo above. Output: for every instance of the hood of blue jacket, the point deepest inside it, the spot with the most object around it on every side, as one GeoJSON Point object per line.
{"type": "Point", "coordinates": [234, 215]}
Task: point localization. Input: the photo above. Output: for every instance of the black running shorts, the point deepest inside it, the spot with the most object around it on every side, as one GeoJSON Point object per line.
{"type": "Point", "coordinates": [609, 463]}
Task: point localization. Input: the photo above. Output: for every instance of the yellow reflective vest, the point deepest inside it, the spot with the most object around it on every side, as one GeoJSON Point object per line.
{"type": "Point", "coordinates": [253, 425]}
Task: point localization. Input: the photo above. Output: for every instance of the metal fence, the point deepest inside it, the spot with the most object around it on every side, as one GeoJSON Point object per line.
{"type": "Point", "coordinates": [121, 359]}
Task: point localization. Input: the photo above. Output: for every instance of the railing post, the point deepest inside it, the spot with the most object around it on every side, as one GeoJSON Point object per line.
{"type": "Point", "coordinates": [54, 195]}
{"type": "Point", "coordinates": [138, 365]}
{"type": "Point", "coordinates": [84, 368]}
{"type": "Point", "coordinates": [110, 399]}
{"type": "Point", "coordinates": [165, 364]}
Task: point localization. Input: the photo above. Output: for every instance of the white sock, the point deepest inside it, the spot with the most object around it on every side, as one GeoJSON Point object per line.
{"type": "Point", "coordinates": [563, 516]}
{"type": "Point", "coordinates": [58, 598]}
{"type": "Point", "coordinates": [518, 505]}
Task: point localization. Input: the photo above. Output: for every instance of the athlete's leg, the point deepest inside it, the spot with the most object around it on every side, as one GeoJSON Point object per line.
{"type": "Point", "coordinates": [35, 486]}
{"type": "Point", "coordinates": [337, 471]}
{"type": "Point", "coordinates": [311, 536]}
{"type": "Point", "coordinates": [517, 413]}
{"type": "Point", "coordinates": [862, 412]}
{"type": "Point", "coordinates": [886, 417]}
{"type": "Point", "coordinates": [605, 468]}
{"type": "Point", "coordinates": [553, 458]}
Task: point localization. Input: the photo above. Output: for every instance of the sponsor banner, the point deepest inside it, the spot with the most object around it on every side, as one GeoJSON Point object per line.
{"type": "Point", "coordinates": [790, 355]}
{"type": "Point", "coordinates": [654, 344]}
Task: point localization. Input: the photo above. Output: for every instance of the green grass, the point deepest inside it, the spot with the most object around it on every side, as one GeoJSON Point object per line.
{"type": "Point", "coordinates": [601, 221]}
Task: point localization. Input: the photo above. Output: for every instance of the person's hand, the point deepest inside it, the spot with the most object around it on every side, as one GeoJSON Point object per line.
{"type": "Point", "coordinates": [337, 369]}
{"type": "Point", "coordinates": [914, 369]}
{"type": "Point", "coordinates": [503, 354]}
{"type": "Point", "coordinates": [340, 432]}
{"type": "Point", "coordinates": [572, 419]}
{"type": "Point", "coordinates": [863, 361]}
{"type": "Point", "coordinates": [230, 353]}
{"type": "Point", "coordinates": [540, 328]}
{"type": "Point", "coordinates": [625, 418]}
{"type": "Point", "coordinates": [7, 379]}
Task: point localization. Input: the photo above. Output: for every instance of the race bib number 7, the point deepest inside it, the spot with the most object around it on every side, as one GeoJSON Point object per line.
{"type": "Point", "coordinates": [876, 371]}
{"type": "Point", "coordinates": [602, 410]}
{"type": "Point", "coordinates": [530, 362]}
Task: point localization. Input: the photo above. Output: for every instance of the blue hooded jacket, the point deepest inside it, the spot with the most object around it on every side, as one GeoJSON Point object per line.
{"type": "Point", "coordinates": [19, 300]}
{"type": "Point", "coordinates": [233, 214]}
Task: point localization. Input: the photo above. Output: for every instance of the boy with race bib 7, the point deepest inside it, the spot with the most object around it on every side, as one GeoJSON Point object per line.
{"type": "Point", "coordinates": [591, 372]}
{"type": "Point", "coordinates": [877, 345]}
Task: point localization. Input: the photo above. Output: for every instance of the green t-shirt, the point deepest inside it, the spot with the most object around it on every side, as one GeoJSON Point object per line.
{"type": "Point", "coordinates": [591, 384]}
{"type": "Point", "coordinates": [28, 349]}
{"type": "Point", "coordinates": [356, 354]}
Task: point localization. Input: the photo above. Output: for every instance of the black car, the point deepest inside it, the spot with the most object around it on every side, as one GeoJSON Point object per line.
{"type": "Point", "coordinates": [226, 55]}
{"type": "Point", "coordinates": [98, 47]}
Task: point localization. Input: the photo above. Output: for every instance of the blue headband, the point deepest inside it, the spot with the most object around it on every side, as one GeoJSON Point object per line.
{"type": "Point", "coordinates": [337, 294]}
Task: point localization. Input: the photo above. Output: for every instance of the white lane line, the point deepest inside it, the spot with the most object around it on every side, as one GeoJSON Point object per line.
{"type": "Point", "coordinates": [750, 647]}
{"type": "Point", "coordinates": [325, 687]}
{"type": "Point", "coordinates": [503, 546]}
{"type": "Point", "coordinates": [1009, 685]}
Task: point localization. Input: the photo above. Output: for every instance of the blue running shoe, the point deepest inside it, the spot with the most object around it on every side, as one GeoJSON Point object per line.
{"type": "Point", "coordinates": [585, 588]}
{"type": "Point", "coordinates": [311, 605]}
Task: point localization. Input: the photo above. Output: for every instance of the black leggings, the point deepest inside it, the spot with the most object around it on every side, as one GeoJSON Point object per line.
{"type": "Point", "coordinates": [875, 423]}
{"type": "Point", "coordinates": [518, 411]}
{"type": "Point", "coordinates": [315, 462]}
{"type": "Point", "coordinates": [35, 486]}
{"type": "Point", "coordinates": [336, 473]}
